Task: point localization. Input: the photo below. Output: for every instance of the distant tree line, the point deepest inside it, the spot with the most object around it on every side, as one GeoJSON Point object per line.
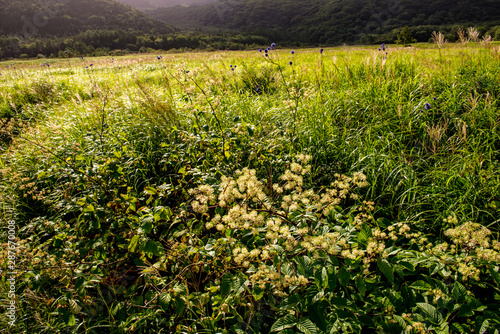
{"type": "Point", "coordinates": [107, 42]}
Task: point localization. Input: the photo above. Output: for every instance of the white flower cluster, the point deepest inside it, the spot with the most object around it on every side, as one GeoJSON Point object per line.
{"type": "Point", "coordinates": [253, 209]}
{"type": "Point", "coordinates": [279, 281]}
{"type": "Point", "coordinates": [245, 187]}
{"type": "Point", "coordinates": [204, 194]}
{"type": "Point", "coordinates": [331, 243]}
{"type": "Point", "coordinates": [472, 243]}
{"type": "Point", "coordinates": [470, 235]}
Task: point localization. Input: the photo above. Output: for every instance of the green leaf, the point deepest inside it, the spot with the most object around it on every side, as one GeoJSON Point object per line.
{"type": "Point", "coordinates": [151, 248]}
{"type": "Point", "coordinates": [179, 304]}
{"type": "Point", "coordinates": [288, 321]}
{"type": "Point", "coordinates": [481, 326]}
{"type": "Point", "coordinates": [318, 296]}
{"type": "Point", "coordinates": [465, 311]}
{"type": "Point", "coordinates": [495, 275]}
{"type": "Point", "coordinates": [407, 265]}
{"type": "Point", "coordinates": [115, 309]}
{"type": "Point", "coordinates": [459, 292]}
{"type": "Point", "coordinates": [304, 265]}
{"type": "Point", "coordinates": [321, 278]}
{"type": "Point", "coordinates": [225, 286]}
{"type": "Point", "coordinates": [150, 190]}
{"type": "Point", "coordinates": [70, 319]}
{"type": "Point", "coordinates": [306, 326]}
{"type": "Point", "coordinates": [317, 316]}
{"type": "Point", "coordinates": [460, 328]}
{"type": "Point", "coordinates": [420, 285]}
{"type": "Point", "coordinates": [132, 246]}
{"type": "Point", "coordinates": [401, 322]}
{"type": "Point", "coordinates": [74, 307]}
{"type": "Point", "coordinates": [164, 300]}
{"type": "Point", "coordinates": [238, 284]}
{"type": "Point", "coordinates": [147, 224]}
{"type": "Point", "coordinates": [344, 276]}
{"type": "Point", "coordinates": [360, 284]}
{"type": "Point", "coordinates": [386, 269]}
{"type": "Point", "coordinates": [364, 235]}
{"type": "Point", "coordinates": [431, 313]}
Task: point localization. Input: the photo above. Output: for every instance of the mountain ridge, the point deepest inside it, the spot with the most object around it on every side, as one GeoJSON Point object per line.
{"type": "Point", "coordinates": [330, 21]}
{"type": "Point", "coordinates": [153, 4]}
{"type": "Point", "coordinates": [28, 19]}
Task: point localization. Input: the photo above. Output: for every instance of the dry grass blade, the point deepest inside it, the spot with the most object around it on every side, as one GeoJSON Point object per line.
{"type": "Point", "coordinates": [473, 34]}
{"type": "Point", "coordinates": [462, 36]}
{"type": "Point", "coordinates": [155, 109]}
{"type": "Point", "coordinates": [438, 38]}
{"type": "Point", "coordinates": [486, 41]}
{"type": "Point", "coordinates": [436, 132]}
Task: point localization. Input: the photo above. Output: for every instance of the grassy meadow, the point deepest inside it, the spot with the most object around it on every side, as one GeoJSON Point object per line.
{"type": "Point", "coordinates": [343, 191]}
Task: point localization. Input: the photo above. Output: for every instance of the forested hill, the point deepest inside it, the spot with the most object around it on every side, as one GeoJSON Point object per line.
{"type": "Point", "coordinates": [28, 18]}
{"type": "Point", "coordinates": [332, 21]}
{"type": "Point", "coordinates": [151, 4]}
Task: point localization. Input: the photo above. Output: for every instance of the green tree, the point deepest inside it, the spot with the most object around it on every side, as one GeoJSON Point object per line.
{"type": "Point", "coordinates": [405, 37]}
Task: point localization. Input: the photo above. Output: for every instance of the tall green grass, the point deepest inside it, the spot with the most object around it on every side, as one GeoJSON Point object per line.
{"type": "Point", "coordinates": [93, 155]}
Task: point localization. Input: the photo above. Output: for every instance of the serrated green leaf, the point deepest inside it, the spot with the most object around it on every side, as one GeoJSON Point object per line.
{"type": "Point", "coordinates": [286, 269]}
{"type": "Point", "coordinates": [321, 278]}
{"type": "Point", "coordinates": [225, 286]}
{"type": "Point", "coordinates": [460, 328]}
{"type": "Point", "coordinates": [238, 284]}
{"type": "Point", "coordinates": [386, 269]}
{"type": "Point", "coordinates": [431, 313]}
{"type": "Point", "coordinates": [304, 265]}
{"type": "Point", "coordinates": [290, 302]}
{"type": "Point", "coordinates": [401, 322]}
{"type": "Point", "coordinates": [147, 224]}
{"type": "Point", "coordinates": [420, 285]}
{"type": "Point", "coordinates": [364, 235]}
{"type": "Point", "coordinates": [481, 325]}
{"type": "Point", "coordinates": [459, 292]}
{"type": "Point", "coordinates": [288, 321]}
{"type": "Point", "coordinates": [306, 326]}
{"type": "Point", "coordinates": [318, 296]}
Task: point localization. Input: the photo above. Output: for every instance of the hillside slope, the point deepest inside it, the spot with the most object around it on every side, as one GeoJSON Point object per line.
{"type": "Point", "coordinates": [152, 4]}
{"type": "Point", "coordinates": [64, 18]}
{"type": "Point", "coordinates": [330, 21]}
